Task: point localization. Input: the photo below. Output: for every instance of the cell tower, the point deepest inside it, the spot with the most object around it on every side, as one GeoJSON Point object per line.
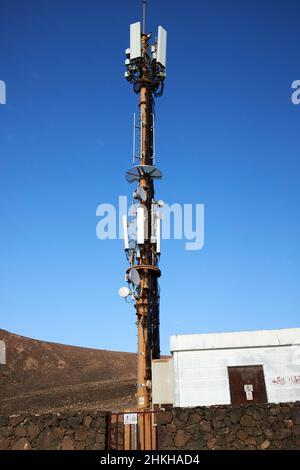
{"type": "Point", "coordinates": [146, 70]}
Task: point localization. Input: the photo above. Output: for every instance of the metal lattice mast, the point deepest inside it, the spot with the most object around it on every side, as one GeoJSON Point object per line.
{"type": "Point", "coordinates": [145, 69]}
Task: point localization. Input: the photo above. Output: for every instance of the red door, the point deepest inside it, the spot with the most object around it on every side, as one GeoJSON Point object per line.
{"type": "Point", "coordinates": [247, 385]}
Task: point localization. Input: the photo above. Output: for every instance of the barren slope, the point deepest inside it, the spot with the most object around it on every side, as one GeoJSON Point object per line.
{"type": "Point", "coordinates": [41, 377]}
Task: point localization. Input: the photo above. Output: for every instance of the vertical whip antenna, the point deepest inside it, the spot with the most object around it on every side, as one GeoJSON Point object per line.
{"type": "Point", "coordinates": [144, 17]}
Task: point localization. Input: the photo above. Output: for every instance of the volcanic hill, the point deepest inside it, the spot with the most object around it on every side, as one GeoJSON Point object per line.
{"type": "Point", "coordinates": [42, 377]}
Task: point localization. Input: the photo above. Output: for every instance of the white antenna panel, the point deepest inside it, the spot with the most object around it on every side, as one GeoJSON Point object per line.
{"type": "Point", "coordinates": [162, 46]}
{"type": "Point", "coordinates": [125, 232]}
{"type": "Point", "coordinates": [140, 225]}
{"type": "Point", "coordinates": [135, 40]}
{"type": "Point", "coordinates": [158, 222]}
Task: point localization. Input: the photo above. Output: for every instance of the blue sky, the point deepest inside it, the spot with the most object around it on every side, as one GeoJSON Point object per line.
{"type": "Point", "coordinates": [227, 136]}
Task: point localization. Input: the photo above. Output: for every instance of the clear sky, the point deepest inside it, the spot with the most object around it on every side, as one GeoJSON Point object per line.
{"type": "Point", "coordinates": [227, 136]}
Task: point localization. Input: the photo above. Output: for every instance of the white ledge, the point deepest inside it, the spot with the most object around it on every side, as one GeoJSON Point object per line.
{"type": "Point", "coordinates": [234, 340]}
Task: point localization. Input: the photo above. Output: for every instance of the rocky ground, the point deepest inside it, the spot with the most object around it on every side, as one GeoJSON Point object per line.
{"type": "Point", "coordinates": [42, 377]}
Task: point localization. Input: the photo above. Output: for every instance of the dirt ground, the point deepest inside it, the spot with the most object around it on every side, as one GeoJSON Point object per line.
{"type": "Point", "coordinates": [44, 377]}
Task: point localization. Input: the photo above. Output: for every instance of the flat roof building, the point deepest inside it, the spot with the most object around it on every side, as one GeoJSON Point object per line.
{"type": "Point", "coordinates": [222, 368]}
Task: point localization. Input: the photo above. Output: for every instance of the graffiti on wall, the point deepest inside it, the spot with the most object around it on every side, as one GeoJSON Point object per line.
{"type": "Point", "coordinates": [292, 380]}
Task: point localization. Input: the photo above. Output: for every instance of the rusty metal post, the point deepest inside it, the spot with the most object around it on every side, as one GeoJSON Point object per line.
{"type": "Point", "coordinates": [147, 76]}
{"type": "Point", "coordinates": [143, 392]}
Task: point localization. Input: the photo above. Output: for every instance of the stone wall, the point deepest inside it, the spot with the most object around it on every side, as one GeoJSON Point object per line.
{"type": "Point", "coordinates": [267, 426]}
{"type": "Point", "coordinates": [54, 431]}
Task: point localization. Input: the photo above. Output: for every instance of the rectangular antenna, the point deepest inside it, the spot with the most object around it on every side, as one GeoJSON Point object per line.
{"type": "Point", "coordinates": [140, 226]}
{"type": "Point", "coordinates": [125, 232]}
{"type": "Point", "coordinates": [2, 92]}
{"type": "Point", "coordinates": [158, 234]}
{"type": "Point", "coordinates": [153, 133]}
{"type": "Point", "coordinates": [135, 41]}
{"type": "Point", "coordinates": [162, 46]}
{"type": "Point", "coordinates": [134, 132]}
{"type": "Point", "coordinates": [144, 16]}
{"type": "Point", "coordinates": [153, 225]}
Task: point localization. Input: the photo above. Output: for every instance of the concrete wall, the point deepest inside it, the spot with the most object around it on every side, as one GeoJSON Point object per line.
{"type": "Point", "coordinates": [200, 365]}
{"type": "Point", "coordinates": [162, 381]}
{"type": "Point", "coordinates": [87, 430]}
{"type": "Point", "coordinates": [272, 426]}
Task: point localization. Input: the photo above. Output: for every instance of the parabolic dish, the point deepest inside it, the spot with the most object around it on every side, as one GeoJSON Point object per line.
{"type": "Point", "coordinates": [136, 172]}
{"type": "Point", "coordinates": [140, 194]}
{"type": "Point", "coordinates": [134, 277]}
{"type": "Point", "coordinates": [124, 292]}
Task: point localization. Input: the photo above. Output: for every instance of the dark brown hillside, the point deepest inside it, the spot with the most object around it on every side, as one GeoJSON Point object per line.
{"type": "Point", "coordinates": [41, 377]}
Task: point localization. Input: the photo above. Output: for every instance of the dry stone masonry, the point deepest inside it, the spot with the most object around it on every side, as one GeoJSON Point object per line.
{"type": "Point", "coordinates": [54, 432]}
{"type": "Point", "coordinates": [270, 426]}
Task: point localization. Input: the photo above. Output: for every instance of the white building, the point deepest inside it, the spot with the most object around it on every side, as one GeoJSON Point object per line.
{"type": "Point", "coordinates": [223, 368]}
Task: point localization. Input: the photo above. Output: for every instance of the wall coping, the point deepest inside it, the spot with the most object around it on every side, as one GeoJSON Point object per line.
{"type": "Point", "coordinates": [236, 340]}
